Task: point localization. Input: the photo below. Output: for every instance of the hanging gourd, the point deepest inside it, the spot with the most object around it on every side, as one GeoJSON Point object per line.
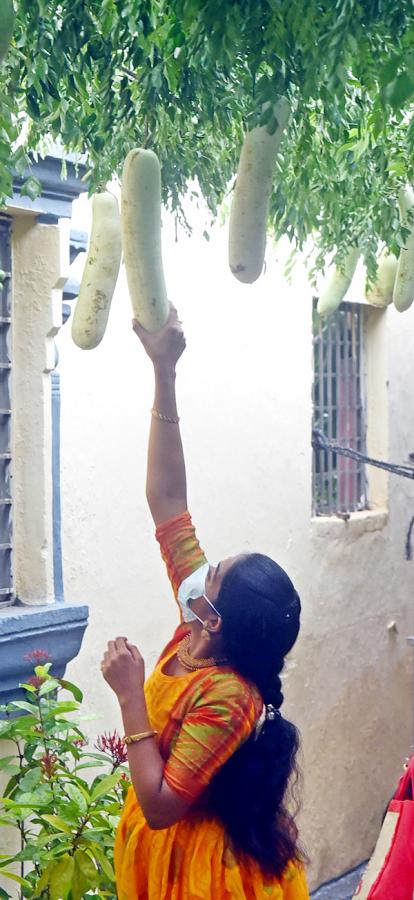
{"type": "Point", "coordinates": [404, 280]}
{"type": "Point", "coordinates": [338, 284]}
{"type": "Point", "coordinates": [250, 204]}
{"type": "Point", "coordinates": [141, 238]}
{"type": "Point", "coordinates": [380, 293]}
{"type": "Point", "coordinates": [100, 273]}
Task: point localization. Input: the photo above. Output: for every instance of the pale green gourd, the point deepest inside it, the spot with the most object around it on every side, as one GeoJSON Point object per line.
{"type": "Point", "coordinates": [403, 295]}
{"type": "Point", "coordinates": [250, 204]}
{"type": "Point", "coordinates": [380, 293]}
{"type": "Point", "coordinates": [100, 273]}
{"type": "Point", "coordinates": [141, 238]}
{"type": "Point", "coordinates": [338, 284]}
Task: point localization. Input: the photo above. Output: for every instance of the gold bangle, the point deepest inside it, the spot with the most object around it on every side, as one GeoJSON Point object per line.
{"type": "Point", "coordinates": [136, 738]}
{"type": "Point", "coordinates": [163, 418]}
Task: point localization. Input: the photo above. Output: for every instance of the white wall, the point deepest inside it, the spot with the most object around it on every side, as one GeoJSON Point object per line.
{"type": "Point", "coordinates": [40, 256]}
{"type": "Point", "coordinates": [244, 391]}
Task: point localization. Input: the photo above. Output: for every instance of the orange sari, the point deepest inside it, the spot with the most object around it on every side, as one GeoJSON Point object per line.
{"type": "Point", "coordinates": [201, 719]}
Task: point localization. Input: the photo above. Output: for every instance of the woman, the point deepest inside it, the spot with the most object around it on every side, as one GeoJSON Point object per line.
{"type": "Point", "coordinates": [209, 753]}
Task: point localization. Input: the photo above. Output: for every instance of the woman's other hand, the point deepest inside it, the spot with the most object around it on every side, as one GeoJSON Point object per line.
{"type": "Point", "coordinates": [123, 668]}
{"type": "Point", "coordinates": [163, 347]}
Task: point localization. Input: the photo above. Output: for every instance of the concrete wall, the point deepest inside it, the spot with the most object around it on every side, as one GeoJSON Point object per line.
{"type": "Point", "coordinates": [244, 391]}
{"type": "Point", "coordinates": [40, 256]}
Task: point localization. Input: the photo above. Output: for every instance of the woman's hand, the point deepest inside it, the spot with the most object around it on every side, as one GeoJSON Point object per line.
{"type": "Point", "coordinates": [163, 347]}
{"type": "Point", "coordinates": [123, 668]}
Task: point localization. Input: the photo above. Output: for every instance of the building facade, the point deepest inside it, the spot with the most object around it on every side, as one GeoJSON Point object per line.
{"type": "Point", "coordinates": [245, 387]}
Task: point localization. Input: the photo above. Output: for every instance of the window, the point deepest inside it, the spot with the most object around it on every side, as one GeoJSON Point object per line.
{"type": "Point", "coordinates": [6, 585]}
{"type": "Point", "coordinates": [339, 483]}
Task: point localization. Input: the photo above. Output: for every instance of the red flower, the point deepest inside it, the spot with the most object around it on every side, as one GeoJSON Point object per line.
{"type": "Point", "coordinates": [36, 681]}
{"type": "Point", "coordinates": [38, 656]}
{"type": "Point", "coordinates": [80, 742]}
{"type": "Point", "coordinates": [113, 745]}
{"type": "Point", "coordinates": [48, 763]}
{"type": "Point", "coordinates": [125, 777]}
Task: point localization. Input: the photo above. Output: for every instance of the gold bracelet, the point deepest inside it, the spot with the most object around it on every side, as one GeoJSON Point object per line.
{"type": "Point", "coordinates": [136, 738]}
{"type": "Point", "coordinates": [162, 418]}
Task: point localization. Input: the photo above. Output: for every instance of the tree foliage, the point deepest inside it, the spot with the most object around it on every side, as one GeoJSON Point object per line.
{"type": "Point", "coordinates": [188, 77]}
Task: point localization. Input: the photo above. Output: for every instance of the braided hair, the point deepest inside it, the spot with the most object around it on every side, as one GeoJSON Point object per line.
{"type": "Point", "coordinates": [260, 612]}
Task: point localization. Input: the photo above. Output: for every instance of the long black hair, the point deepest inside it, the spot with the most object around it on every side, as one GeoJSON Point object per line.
{"type": "Point", "coordinates": [260, 612]}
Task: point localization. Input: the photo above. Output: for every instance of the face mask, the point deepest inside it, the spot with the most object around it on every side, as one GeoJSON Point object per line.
{"type": "Point", "coordinates": [192, 587]}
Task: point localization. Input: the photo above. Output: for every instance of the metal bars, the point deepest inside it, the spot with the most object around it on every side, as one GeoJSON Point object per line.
{"type": "Point", "coordinates": [6, 579]}
{"type": "Point", "coordinates": [339, 483]}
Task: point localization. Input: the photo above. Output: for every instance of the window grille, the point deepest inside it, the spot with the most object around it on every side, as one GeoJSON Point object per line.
{"type": "Point", "coordinates": [6, 582]}
{"type": "Point", "coordinates": [339, 484]}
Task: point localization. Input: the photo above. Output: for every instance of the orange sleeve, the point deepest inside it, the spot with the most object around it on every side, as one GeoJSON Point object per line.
{"type": "Point", "coordinates": [180, 548]}
{"type": "Point", "coordinates": [222, 718]}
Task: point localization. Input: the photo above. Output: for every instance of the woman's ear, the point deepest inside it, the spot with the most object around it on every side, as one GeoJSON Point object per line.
{"type": "Point", "coordinates": [213, 624]}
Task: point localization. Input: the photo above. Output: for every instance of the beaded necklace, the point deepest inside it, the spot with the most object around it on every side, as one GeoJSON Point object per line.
{"type": "Point", "coordinates": [190, 662]}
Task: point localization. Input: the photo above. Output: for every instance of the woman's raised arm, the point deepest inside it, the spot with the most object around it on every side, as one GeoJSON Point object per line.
{"type": "Point", "coordinates": [166, 478]}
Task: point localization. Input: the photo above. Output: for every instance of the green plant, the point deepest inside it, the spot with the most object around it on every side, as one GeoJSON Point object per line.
{"type": "Point", "coordinates": [185, 78]}
{"type": "Point", "coordinates": [65, 820]}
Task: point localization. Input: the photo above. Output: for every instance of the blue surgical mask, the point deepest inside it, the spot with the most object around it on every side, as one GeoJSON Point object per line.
{"type": "Point", "coordinates": [192, 587]}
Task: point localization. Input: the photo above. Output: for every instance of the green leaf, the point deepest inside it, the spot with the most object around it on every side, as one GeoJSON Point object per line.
{"type": "Point", "coordinates": [43, 671]}
{"type": "Point", "coordinates": [26, 706]}
{"type": "Point", "coordinates": [45, 877]}
{"type": "Point", "coordinates": [5, 727]}
{"type": "Point", "coordinates": [85, 874]}
{"type": "Point", "coordinates": [31, 779]}
{"type": "Point", "coordinates": [389, 70]}
{"type": "Point", "coordinates": [13, 877]}
{"type": "Point", "coordinates": [399, 91]}
{"type": "Point", "coordinates": [73, 688]}
{"type": "Point", "coordinates": [60, 878]}
{"type": "Point", "coordinates": [50, 685]}
{"type": "Point", "coordinates": [77, 796]}
{"type": "Point", "coordinates": [32, 851]}
{"type": "Point", "coordinates": [11, 785]}
{"type": "Point", "coordinates": [6, 760]}
{"type": "Point", "coordinates": [31, 188]}
{"type": "Point", "coordinates": [87, 867]}
{"type": "Point", "coordinates": [28, 800]}
{"type": "Point", "coordinates": [58, 707]}
{"type": "Point", "coordinates": [28, 687]}
{"type": "Point", "coordinates": [57, 822]}
{"type": "Point", "coordinates": [105, 786]}
{"type": "Point", "coordinates": [398, 167]}
{"type": "Point", "coordinates": [22, 727]}
{"type": "Point", "coordinates": [104, 863]}
{"type": "Point", "coordinates": [79, 882]}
